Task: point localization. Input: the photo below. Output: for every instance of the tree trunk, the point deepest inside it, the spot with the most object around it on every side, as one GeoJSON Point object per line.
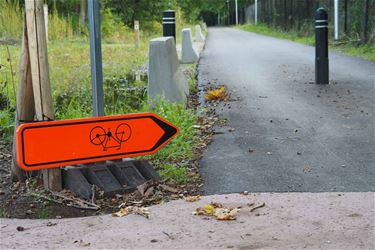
{"type": "Point", "coordinates": [365, 25]}
{"type": "Point", "coordinates": [346, 17]}
{"type": "Point", "coordinates": [285, 15]}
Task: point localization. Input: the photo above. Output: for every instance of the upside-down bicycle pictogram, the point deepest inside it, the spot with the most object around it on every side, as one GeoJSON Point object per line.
{"type": "Point", "coordinates": [98, 136]}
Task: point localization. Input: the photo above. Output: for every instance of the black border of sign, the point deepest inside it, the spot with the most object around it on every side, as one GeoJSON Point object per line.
{"type": "Point", "coordinates": [169, 132]}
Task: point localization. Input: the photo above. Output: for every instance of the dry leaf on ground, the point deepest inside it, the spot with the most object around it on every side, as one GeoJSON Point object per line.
{"type": "Point", "coordinates": [132, 210]}
{"type": "Point", "coordinates": [218, 211]}
{"type": "Point", "coordinates": [216, 94]}
{"type": "Point", "coordinates": [226, 213]}
{"type": "Point", "coordinates": [192, 198]}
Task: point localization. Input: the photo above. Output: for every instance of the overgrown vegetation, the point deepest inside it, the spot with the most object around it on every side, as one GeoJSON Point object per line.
{"type": "Point", "coordinates": [69, 61]}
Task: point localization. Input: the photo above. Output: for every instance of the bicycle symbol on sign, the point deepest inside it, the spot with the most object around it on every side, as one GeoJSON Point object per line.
{"type": "Point", "coordinates": [98, 136]}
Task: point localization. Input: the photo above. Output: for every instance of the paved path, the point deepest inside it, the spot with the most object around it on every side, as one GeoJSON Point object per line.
{"type": "Point", "coordinates": [301, 137]}
{"type": "Point", "coordinates": [288, 221]}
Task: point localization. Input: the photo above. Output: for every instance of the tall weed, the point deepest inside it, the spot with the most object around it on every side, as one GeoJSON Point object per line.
{"type": "Point", "coordinates": [11, 19]}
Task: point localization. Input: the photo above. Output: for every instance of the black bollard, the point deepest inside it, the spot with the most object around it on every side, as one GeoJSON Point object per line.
{"type": "Point", "coordinates": [169, 24]}
{"type": "Point", "coordinates": [321, 47]}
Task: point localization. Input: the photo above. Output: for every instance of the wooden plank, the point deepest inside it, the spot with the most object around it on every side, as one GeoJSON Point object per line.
{"type": "Point", "coordinates": [45, 86]}
{"type": "Point", "coordinates": [25, 100]}
{"type": "Point", "coordinates": [45, 9]}
{"type": "Point", "coordinates": [40, 77]}
{"type": "Point", "coordinates": [33, 52]}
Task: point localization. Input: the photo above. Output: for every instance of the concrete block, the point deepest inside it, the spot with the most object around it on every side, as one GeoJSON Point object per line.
{"type": "Point", "coordinates": [165, 78]}
{"type": "Point", "coordinates": [74, 180]}
{"type": "Point", "coordinates": [188, 53]}
{"type": "Point", "coordinates": [100, 176]}
{"type": "Point", "coordinates": [199, 37]}
{"type": "Point", "coordinates": [127, 174]}
{"type": "Point", "coordinates": [145, 168]}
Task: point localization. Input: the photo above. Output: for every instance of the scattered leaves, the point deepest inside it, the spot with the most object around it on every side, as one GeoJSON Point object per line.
{"type": "Point", "coordinates": [192, 198]}
{"type": "Point", "coordinates": [132, 210]}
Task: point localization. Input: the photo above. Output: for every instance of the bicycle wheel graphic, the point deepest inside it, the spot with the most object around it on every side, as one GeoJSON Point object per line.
{"type": "Point", "coordinates": [123, 132]}
{"type": "Point", "coordinates": [97, 135]}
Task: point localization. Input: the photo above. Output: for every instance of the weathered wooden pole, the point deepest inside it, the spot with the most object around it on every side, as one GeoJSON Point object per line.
{"type": "Point", "coordinates": [45, 11]}
{"type": "Point", "coordinates": [25, 101]}
{"type": "Point", "coordinates": [40, 77]}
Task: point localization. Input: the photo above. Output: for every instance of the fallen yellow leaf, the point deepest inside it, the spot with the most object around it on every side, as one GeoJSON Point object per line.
{"type": "Point", "coordinates": [132, 210]}
{"type": "Point", "coordinates": [218, 211]}
{"type": "Point", "coordinates": [226, 213]}
{"type": "Point", "coordinates": [216, 94]}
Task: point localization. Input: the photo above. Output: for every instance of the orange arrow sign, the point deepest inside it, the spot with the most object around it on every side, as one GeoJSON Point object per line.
{"type": "Point", "coordinates": [54, 144]}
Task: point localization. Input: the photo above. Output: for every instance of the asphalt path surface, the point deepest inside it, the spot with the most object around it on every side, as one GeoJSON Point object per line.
{"type": "Point", "coordinates": [283, 132]}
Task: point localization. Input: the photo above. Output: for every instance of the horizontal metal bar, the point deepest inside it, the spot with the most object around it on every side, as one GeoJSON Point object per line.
{"type": "Point", "coordinates": [321, 21]}
{"type": "Point", "coordinates": [169, 23]}
{"type": "Point", "coordinates": [168, 18]}
{"type": "Point", "coordinates": [321, 26]}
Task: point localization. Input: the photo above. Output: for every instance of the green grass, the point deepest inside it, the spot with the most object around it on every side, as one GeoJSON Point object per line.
{"type": "Point", "coordinates": [265, 30]}
{"type": "Point", "coordinates": [70, 80]}
{"type": "Point", "coordinates": [174, 173]}
{"type": "Point", "coordinates": [42, 213]}
{"type": "Point", "coordinates": [172, 159]}
{"type": "Point", "coordinates": [364, 51]}
{"type": "Point", "coordinates": [11, 22]}
{"type": "Point", "coordinates": [3, 212]}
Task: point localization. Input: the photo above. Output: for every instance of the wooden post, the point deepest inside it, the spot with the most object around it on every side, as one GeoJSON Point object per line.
{"type": "Point", "coordinates": [136, 34]}
{"type": "Point", "coordinates": [25, 100]}
{"type": "Point", "coordinates": [82, 14]}
{"type": "Point", "coordinates": [40, 77]}
{"type": "Point", "coordinates": [45, 11]}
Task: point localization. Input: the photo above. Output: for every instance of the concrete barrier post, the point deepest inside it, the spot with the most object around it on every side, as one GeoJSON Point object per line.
{"type": "Point", "coordinates": [188, 54]}
{"type": "Point", "coordinates": [198, 34]}
{"type": "Point", "coordinates": [165, 79]}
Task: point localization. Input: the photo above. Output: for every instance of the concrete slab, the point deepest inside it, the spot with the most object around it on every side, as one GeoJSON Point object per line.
{"type": "Point", "coordinates": [288, 221]}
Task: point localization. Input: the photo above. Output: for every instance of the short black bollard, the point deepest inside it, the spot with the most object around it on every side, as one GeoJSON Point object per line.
{"type": "Point", "coordinates": [321, 47]}
{"type": "Point", "coordinates": [169, 24]}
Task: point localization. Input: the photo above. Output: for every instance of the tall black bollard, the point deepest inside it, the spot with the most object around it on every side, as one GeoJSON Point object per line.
{"type": "Point", "coordinates": [321, 47]}
{"type": "Point", "coordinates": [169, 23]}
